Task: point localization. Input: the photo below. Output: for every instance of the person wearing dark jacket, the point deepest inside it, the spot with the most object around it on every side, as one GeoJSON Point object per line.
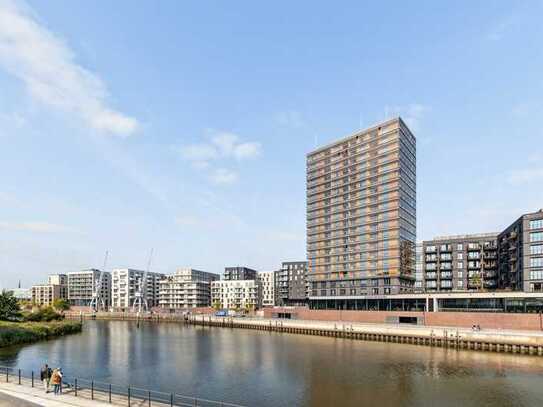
{"type": "Point", "coordinates": [45, 377]}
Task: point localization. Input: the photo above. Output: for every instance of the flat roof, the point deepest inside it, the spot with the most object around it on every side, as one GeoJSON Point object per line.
{"type": "Point", "coordinates": [453, 295]}
{"type": "Point", "coordinates": [358, 132]}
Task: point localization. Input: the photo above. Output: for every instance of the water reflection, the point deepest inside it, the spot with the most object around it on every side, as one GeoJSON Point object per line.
{"type": "Point", "coordinates": [272, 369]}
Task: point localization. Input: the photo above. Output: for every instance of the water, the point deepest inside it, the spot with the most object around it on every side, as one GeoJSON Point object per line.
{"type": "Point", "coordinates": [270, 369]}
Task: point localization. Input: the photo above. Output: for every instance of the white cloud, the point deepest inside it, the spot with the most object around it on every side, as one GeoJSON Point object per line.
{"type": "Point", "coordinates": [525, 176]}
{"type": "Point", "coordinates": [47, 66]}
{"type": "Point", "coordinates": [224, 176]}
{"type": "Point", "coordinates": [35, 227]}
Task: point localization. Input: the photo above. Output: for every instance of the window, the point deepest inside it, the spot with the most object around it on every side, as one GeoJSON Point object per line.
{"type": "Point", "coordinates": [536, 224]}
{"type": "Point", "coordinates": [460, 265]}
{"type": "Point", "coordinates": [460, 275]}
{"type": "Point", "coordinates": [536, 275]}
{"type": "Point", "coordinates": [536, 262]}
{"type": "Point", "coordinates": [459, 284]}
{"type": "Point", "coordinates": [538, 249]}
{"type": "Point", "coordinates": [459, 246]}
{"type": "Point", "coordinates": [460, 256]}
{"type": "Point", "coordinates": [536, 237]}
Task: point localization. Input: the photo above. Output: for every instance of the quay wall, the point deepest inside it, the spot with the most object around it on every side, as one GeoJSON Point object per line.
{"type": "Point", "coordinates": [489, 320]}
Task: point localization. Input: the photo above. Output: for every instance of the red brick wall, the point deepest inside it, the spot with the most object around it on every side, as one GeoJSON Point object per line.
{"type": "Point", "coordinates": [457, 319]}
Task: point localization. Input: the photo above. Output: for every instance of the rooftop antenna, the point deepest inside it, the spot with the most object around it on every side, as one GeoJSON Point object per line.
{"type": "Point", "coordinates": [140, 302]}
{"type": "Point", "coordinates": [97, 301]}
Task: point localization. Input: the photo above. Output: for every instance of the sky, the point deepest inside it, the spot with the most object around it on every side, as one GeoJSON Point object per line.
{"type": "Point", "coordinates": [183, 127]}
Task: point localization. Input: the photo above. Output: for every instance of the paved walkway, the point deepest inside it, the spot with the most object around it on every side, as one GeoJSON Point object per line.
{"type": "Point", "coordinates": [35, 396]}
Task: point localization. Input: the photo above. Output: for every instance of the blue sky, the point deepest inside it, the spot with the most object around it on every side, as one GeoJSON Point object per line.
{"type": "Point", "coordinates": [183, 126]}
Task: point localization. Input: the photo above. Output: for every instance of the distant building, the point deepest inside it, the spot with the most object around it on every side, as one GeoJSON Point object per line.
{"type": "Point", "coordinates": [239, 273]}
{"type": "Point", "coordinates": [21, 293]}
{"type": "Point", "coordinates": [57, 279]}
{"type": "Point", "coordinates": [187, 288]}
{"type": "Point", "coordinates": [126, 283]}
{"type": "Point", "coordinates": [46, 294]}
{"type": "Point", "coordinates": [267, 280]}
{"type": "Point", "coordinates": [236, 294]}
{"type": "Point", "coordinates": [81, 286]}
{"type": "Point", "coordinates": [461, 263]}
{"type": "Point", "coordinates": [520, 250]}
{"type": "Point", "coordinates": [292, 285]}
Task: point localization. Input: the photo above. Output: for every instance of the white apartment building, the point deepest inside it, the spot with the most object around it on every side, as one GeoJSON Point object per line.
{"type": "Point", "coordinates": [236, 294]}
{"type": "Point", "coordinates": [187, 288]}
{"type": "Point", "coordinates": [46, 294]}
{"type": "Point", "coordinates": [126, 283]}
{"type": "Point", "coordinates": [57, 279]}
{"type": "Point", "coordinates": [267, 280]}
{"type": "Point", "coordinates": [81, 287]}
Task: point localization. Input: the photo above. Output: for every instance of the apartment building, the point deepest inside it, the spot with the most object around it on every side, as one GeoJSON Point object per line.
{"type": "Point", "coordinates": [126, 282]}
{"type": "Point", "coordinates": [361, 213]}
{"type": "Point", "coordinates": [236, 294]}
{"type": "Point", "coordinates": [419, 269]}
{"type": "Point", "coordinates": [292, 284]}
{"type": "Point", "coordinates": [81, 286]}
{"type": "Point", "coordinates": [239, 273]}
{"type": "Point", "coordinates": [461, 263]}
{"type": "Point", "coordinates": [57, 279]}
{"type": "Point", "coordinates": [187, 288]}
{"type": "Point", "coordinates": [267, 281]}
{"type": "Point", "coordinates": [520, 251]}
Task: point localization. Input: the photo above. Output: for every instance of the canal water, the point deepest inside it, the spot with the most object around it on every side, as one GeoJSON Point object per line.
{"type": "Point", "coordinates": [269, 369]}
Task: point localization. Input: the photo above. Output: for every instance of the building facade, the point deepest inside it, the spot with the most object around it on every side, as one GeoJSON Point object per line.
{"type": "Point", "coordinates": [520, 250]}
{"type": "Point", "coordinates": [46, 294]}
{"type": "Point", "coordinates": [361, 213]}
{"type": "Point", "coordinates": [292, 284]}
{"type": "Point", "coordinates": [268, 282]}
{"type": "Point", "coordinates": [236, 294]}
{"type": "Point", "coordinates": [419, 269]}
{"type": "Point", "coordinates": [239, 273]}
{"type": "Point", "coordinates": [81, 286]}
{"type": "Point", "coordinates": [126, 284]}
{"type": "Point", "coordinates": [461, 263]}
{"type": "Point", "coordinates": [187, 288]}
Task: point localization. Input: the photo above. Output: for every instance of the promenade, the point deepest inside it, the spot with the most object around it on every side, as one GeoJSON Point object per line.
{"type": "Point", "coordinates": [509, 341]}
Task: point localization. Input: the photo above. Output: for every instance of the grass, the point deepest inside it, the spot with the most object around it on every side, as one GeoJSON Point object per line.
{"type": "Point", "coordinates": [15, 333]}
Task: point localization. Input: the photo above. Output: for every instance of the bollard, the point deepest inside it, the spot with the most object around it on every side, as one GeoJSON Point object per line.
{"type": "Point", "coordinates": [110, 393]}
{"type": "Point", "coordinates": [19, 376]}
{"type": "Point", "coordinates": [149, 398]}
{"type": "Point", "coordinates": [32, 378]}
{"type": "Point", "coordinates": [92, 389]}
{"type": "Point", "coordinates": [75, 387]}
{"type": "Point", "coordinates": [128, 396]}
{"type": "Point", "coordinates": [171, 399]}
{"type": "Point", "coordinates": [7, 374]}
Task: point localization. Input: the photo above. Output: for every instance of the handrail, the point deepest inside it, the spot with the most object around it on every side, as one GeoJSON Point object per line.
{"type": "Point", "coordinates": [90, 388]}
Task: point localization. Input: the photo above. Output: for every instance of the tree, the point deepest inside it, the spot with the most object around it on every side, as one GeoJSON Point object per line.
{"type": "Point", "coordinates": [217, 305]}
{"type": "Point", "coordinates": [9, 306]}
{"type": "Point", "coordinates": [60, 304]}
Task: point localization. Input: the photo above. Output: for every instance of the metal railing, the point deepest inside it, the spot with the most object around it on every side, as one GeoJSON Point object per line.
{"type": "Point", "coordinates": [109, 392]}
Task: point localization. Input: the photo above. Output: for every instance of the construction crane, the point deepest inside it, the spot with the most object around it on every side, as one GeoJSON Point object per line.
{"type": "Point", "coordinates": [97, 301]}
{"type": "Point", "coordinates": [140, 301]}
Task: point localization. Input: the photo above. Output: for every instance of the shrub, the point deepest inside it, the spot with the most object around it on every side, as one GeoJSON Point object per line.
{"type": "Point", "coordinates": [44, 314]}
{"type": "Point", "coordinates": [14, 333]}
{"type": "Point", "coordinates": [9, 307]}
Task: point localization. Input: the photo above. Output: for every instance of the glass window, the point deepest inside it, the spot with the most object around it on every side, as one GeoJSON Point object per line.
{"type": "Point", "coordinates": [537, 249]}
{"type": "Point", "coordinates": [459, 246]}
{"type": "Point", "coordinates": [460, 256]}
{"type": "Point", "coordinates": [460, 265]}
{"type": "Point", "coordinates": [460, 275]}
{"type": "Point", "coordinates": [536, 224]}
{"type": "Point", "coordinates": [536, 237]}
{"type": "Point", "coordinates": [536, 262]}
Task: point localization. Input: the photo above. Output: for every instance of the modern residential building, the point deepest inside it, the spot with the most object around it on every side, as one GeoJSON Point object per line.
{"type": "Point", "coordinates": [187, 288]}
{"type": "Point", "coordinates": [292, 284]}
{"type": "Point", "coordinates": [361, 213]}
{"type": "Point", "coordinates": [419, 269]}
{"type": "Point", "coordinates": [46, 294]}
{"type": "Point", "coordinates": [236, 294]}
{"type": "Point", "coordinates": [81, 286]}
{"type": "Point", "coordinates": [239, 273]}
{"type": "Point", "coordinates": [520, 251]}
{"type": "Point", "coordinates": [461, 263]}
{"type": "Point", "coordinates": [58, 279]}
{"type": "Point", "coordinates": [267, 281]}
{"type": "Point", "coordinates": [127, 282]}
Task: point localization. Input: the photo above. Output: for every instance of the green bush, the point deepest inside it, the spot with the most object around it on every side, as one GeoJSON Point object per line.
{"type": "Point", "coordinates": [9, 307]}
{"type": "Point", "coordinates": [15, 333]}
{"type": "Point", "coordinates": [44, 314]}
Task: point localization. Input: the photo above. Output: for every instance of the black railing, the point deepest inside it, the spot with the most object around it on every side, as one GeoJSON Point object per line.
{"type": "Point", "coordinates": [110, 392]}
